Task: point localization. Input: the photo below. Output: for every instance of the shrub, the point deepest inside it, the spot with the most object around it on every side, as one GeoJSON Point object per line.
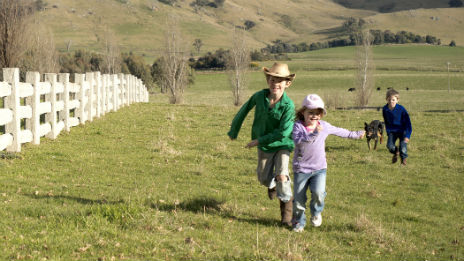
{"type": "Point", "coordinates": [215, 60]}
{"type": "Point", "coordinates": [168, 2]}
{"type": "Point", "coordinates": [254, 65]}
{"type": "Point", "coordinates": [455, 3]}
{"type": "Point", "coordinates": [249, 24]}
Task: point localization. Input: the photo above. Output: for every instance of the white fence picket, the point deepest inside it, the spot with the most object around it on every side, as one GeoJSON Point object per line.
{"type": "Point", "coordinates": [64, 104]}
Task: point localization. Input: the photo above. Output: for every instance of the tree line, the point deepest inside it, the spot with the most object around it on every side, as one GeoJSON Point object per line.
{"type": "Point", "coordinates": [379, 37]}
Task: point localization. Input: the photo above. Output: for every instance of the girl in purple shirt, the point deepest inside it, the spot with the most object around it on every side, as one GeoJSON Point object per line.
{"type": "Point", "coordinates": [309, 161]}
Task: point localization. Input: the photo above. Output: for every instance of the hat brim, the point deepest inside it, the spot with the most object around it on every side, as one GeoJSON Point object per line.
{"type": "Point", "coordinates": [289, 77]}
{"type": "Point", "coordinates": [323, 109]}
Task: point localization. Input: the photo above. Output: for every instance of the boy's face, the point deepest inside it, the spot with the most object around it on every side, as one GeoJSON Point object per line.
{"type": "Point", "coordinates": [277, 85]}
{"type": "Point", "coordinates": [392, 101]}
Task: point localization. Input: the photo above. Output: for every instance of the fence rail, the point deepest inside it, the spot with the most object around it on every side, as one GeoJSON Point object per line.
{"type": "Point", "coordinates": [34, 109]}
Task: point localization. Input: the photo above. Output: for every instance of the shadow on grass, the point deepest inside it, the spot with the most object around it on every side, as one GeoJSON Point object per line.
{"type": "Point", "coordinates": [76, 199]}
{"type": "Point", "coordinates": [213, 206]}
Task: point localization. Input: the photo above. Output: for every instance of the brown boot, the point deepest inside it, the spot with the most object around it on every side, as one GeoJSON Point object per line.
{"type": "Point", "coordinates": [395, 156]}
{"type": "Point", "coordinates": [286, 211]}
{"type": "Point", "coordinates": [403, 162]}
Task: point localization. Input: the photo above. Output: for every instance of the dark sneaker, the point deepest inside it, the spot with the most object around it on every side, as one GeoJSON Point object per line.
{"type": "Point", "coordinates": [403, 162]}
{"type": "Point", "coordinates": [272, 193]}
{"type": "Point", "coordinates": [395, 156]}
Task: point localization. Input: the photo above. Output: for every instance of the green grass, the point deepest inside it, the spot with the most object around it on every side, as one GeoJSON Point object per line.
{"type": "Point", "coordinates": [156, 181]}
{"type": "Point", "coordinates": [168, 184]}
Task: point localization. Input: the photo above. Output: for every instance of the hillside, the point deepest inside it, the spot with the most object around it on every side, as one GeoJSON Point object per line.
{"type": "Point", "coordinates": [138, 25]}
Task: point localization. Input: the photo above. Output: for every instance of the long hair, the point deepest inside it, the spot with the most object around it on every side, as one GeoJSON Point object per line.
{"type": "Point", "coordinates": [299, 114]}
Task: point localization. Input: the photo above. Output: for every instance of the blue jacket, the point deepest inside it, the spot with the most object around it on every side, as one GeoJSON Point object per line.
{"type": "Point", "coordinates": [397, 120]}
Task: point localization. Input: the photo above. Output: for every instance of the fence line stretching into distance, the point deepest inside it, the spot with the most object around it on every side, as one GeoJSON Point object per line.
{"type": "Point", "coordinates": [35, 109]}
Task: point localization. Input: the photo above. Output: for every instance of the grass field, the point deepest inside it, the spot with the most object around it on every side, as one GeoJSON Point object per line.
{"type": "Point", "coordinates": [156, 181]}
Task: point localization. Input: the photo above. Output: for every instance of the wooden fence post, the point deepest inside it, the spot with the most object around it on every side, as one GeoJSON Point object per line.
{"type": "Point", "coordinates": [128, 89]}
{"type": "Point", "coordinates": [115, 92]}
{"type": "Point", "coordinates": [34, 79]}
{"type": "Point", "coordinates": [122, 83]}
{"type": "Point", "coordinates": [91, 98]}
{"type": "Point", "coordinates": [64, 79]}
{"type": "Point", "coordinates": [6, 115]}
{"type": "Point", "coordinates": [105, 93]}
{"type": "Point", "coordinates": [80, 79]}
{"type": "Point", "coordinates": [11, 75]}
{"type": "Point", "coordinates": [52, 117]}
{"type": "Point", "coordinates": [98, 94]}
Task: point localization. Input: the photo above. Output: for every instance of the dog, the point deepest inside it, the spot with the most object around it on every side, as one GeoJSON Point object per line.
{"type": "Point", "coordinates": [374, 131]}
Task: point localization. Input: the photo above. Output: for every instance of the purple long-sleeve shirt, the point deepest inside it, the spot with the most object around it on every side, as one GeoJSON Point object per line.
{"type": "Point", "coordinates": [309, 153]}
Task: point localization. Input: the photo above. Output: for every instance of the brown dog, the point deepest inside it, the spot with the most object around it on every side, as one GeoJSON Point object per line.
{"type": "Point", "coordinates": [374, 131]}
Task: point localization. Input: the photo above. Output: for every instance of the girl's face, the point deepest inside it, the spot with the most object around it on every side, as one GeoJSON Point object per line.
{"type": "Point", "coordinates": [277, 85]}
{"type": "Point", "coordinates": [392, 101]}
{"type": "Point", "coordinates": [312, 116]}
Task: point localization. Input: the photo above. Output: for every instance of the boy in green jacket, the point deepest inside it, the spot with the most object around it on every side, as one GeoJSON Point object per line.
{"type": "Point", "coordinates": [272, 134]}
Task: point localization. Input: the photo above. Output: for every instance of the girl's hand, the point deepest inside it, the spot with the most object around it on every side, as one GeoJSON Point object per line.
{"type": "Point", "coordinates": [318, 128]}
{"type": "Point", "coordinates": [253, 143]}
{"type": "Point", "coordinates": [406, 140]}
{"type": "Point", "coordinates": [362, 135]}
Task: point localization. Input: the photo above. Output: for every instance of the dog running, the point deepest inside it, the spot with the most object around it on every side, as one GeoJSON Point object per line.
{"type": "Point", "coordinates": [374, 131]}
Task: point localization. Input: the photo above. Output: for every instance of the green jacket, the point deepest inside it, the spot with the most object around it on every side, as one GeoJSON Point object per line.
{"type": "Point", "coordinates": [272, 127]}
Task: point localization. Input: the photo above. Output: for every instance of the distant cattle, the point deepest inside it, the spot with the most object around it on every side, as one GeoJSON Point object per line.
{"type": "Point", "coordinates": [352, 89]}
{"type": "Point", "coordinates": [407, 88]}
{"type": "Point", "coordinates": [378, 88]}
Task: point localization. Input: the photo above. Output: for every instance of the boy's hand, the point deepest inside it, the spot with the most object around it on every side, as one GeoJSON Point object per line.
{"type": "Point", "coordinates": [406, 140]}
{"type": "Point", "coordinates": [252, 144]}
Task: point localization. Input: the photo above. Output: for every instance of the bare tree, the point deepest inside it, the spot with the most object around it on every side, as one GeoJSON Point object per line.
{"type": "Point", "coordinates": [14, 16]}
{"type": "Point", "coordinates": [112, 55]}
{"type": "Point", "coordinates": [366, 68]}
{"type": "Point", "coordinates": [41, 54]}
{"type": "Point", "coordinates": [174, 66]}
{"type": "Point", "coordinates": [197, 44]}
{"type": "Point", "coordinates": [237, 65]}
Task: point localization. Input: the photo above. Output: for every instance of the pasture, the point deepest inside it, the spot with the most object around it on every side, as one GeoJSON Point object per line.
{"type": "Point", "coordinates": [156, 181]}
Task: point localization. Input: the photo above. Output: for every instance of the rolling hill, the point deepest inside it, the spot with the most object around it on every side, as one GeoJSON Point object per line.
{"type": "Point", "coordinates": [139, 25]}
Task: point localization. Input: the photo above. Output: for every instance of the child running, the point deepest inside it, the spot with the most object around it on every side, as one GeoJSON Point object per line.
{"type": "Point", "coordinates": [398, 126]}
{"type": "Point", "coordinates": [272, 133]}
{"type": "Point", "coordinates": [309, 161]}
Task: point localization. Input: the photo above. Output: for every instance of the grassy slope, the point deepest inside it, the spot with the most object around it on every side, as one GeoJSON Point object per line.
{"type": "Point", "coordinates": [150, 189]}
{"type": "Point", "coordinates": [141, 30]}
{"type": "Point", "coordinates": [446, 24]}
{"type": "Point", "coordinates": [158, 181]}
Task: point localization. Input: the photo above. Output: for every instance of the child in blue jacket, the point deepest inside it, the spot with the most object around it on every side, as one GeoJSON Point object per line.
{"type": "Point", "coordinates": [398, 126]}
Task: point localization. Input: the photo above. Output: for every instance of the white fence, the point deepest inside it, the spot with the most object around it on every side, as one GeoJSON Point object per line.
{"type": "Point", "coordinates": [35, 109]}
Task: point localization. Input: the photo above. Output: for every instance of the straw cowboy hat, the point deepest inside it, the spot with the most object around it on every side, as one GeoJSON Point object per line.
{"type": "Point", "coordinates": [279, 70]}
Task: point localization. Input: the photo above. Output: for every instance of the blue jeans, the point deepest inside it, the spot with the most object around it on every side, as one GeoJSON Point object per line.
{"type": "Point", "coordinates": [315, 181]}
{"type": "Point", "coordinates": [403, 149]}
